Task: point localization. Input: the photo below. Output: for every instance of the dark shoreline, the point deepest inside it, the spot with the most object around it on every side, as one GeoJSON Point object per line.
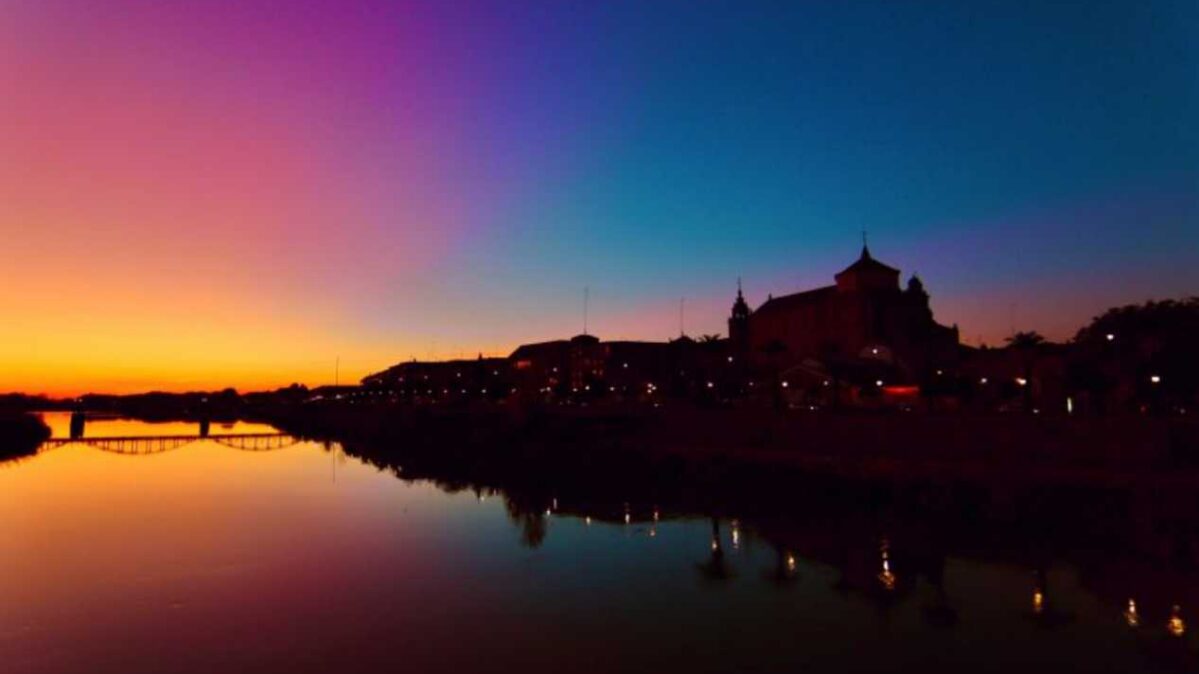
{"type": "Point", "coordinates": [21, 434]}
{"type": "Point", "coordinates": [1020, 450]}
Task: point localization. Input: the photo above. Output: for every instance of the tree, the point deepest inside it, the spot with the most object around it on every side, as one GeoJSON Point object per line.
{"type": "Point", "coordinates": [1025, 340]}
{"type": "Point", "coordinates": [1147, 349]}
{"type": "Point", "coordinates": [1026, 343]}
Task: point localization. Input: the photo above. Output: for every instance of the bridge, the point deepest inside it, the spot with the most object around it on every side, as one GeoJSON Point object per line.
{"type": "Point", "coordinates": [141, 445]}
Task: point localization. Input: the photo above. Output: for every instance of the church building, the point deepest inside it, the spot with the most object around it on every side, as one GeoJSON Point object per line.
{"type": "Point", "coordinates": [864, 322]}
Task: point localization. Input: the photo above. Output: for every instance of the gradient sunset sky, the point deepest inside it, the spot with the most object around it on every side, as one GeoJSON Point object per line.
{"type": "Point", "coordinates": [201, 194]}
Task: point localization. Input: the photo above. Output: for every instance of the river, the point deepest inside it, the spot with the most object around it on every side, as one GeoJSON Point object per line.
{"type": "Point", "coordinates": [266, 554]}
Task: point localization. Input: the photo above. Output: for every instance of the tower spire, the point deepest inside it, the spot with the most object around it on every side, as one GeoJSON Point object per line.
{"type": "Point", "coordinates": [865, 246]}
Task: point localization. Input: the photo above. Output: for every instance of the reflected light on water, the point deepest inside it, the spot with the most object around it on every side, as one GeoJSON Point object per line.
{"type": "Point", "coordinates": [886, 578]}
{"type": "Point", "coordinates": [1130, 615]}
{"type": "Point", "coordinates": [1175, 624]}
{"type": "Point", "coordinates": [240, 552]}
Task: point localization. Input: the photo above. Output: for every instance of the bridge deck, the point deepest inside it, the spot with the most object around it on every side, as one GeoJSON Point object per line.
{"type": "Point", "coordinates": [164, 438]}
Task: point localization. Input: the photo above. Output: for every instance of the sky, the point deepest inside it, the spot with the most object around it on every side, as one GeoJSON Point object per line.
{"type": "Point", "coordinates": [207, 194]}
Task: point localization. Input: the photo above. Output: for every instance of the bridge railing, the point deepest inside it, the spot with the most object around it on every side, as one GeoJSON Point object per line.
{"type": "Point", "coordinates": [156, 444]}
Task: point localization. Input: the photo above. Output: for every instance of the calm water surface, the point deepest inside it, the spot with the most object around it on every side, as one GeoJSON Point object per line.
{"type": "Point", "coordinates": [211, 558]}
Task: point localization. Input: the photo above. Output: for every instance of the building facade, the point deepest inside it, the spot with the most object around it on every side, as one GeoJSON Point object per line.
{"type": "Point", "coordinates": [863, 323]}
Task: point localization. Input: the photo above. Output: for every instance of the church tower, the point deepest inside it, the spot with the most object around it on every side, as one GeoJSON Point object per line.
{"type": "Point", "coordinates": [739, 322]}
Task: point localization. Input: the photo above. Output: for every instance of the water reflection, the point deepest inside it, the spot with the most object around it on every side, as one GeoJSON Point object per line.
{"type": "Point", "coordinates": [1131, 616]}
{"type": "Point", "coordinates": [1176, 625]}
{"type": "Point", "coordinates": [805, 529]}
{"type": "Point", "coordinates": [715, 568]}
{"type": "Point", "coordinates": [885, 577]}
{"type": "Point", "coordinates": [810, 566]}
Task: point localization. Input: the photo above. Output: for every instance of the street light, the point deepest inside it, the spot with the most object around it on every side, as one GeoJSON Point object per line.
{"type": "Point", "coordinates": [1155, 379]}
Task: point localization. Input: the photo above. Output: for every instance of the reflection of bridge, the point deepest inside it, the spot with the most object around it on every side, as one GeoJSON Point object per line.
{"type": "Point", "coordinates": [155, 444]}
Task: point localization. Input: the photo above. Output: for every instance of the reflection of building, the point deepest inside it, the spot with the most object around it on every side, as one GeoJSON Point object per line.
{"type": "Point", "coordinates": [864, 318]}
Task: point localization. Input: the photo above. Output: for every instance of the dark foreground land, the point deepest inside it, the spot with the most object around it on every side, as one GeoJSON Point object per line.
{"type": "Point", "coordinates": [20, 434]}
{"type": "Point", "coordinates": [1012, 450]}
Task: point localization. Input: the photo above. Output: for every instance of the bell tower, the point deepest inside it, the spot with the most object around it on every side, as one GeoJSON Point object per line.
{"type": "Point", "coordinates": [739, 321]}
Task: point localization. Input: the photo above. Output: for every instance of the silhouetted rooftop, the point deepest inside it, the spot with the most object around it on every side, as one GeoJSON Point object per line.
{"type": "Point", "coordinates": [867, 263]}
{"type": "Point", "coordinates": [784, 302]}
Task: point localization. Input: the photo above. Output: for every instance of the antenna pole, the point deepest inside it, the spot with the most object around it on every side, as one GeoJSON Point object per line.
{"type": "Point", "coordinates": [337, 372]}
{"type": "Point", "coordinates": [586, 301]}
{"type": "Point", "coordinates": [682, 305]}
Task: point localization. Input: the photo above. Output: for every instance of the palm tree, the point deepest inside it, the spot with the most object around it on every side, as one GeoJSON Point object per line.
{"type": "Point", "coordinates": [1026, 343]}
{"type": "Point", "coordinates": [1025, 340]}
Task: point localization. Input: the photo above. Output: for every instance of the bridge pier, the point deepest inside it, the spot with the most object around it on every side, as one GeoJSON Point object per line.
{"type": "Point", "coordinates": [78, 420]}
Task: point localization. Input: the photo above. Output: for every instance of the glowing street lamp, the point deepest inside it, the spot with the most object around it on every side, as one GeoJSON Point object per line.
{"type": "Point", "coordinates": [1156, 379]}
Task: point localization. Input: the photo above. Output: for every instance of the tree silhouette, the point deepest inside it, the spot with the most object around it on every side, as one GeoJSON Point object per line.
{"type": "Point", "coordinates": [1025, 340]}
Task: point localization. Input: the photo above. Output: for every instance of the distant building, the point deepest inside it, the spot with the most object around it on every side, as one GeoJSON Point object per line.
{"type": "Point", "coordinates": [445, 380]}
{"type": "Point", "coordinates": [861, 336]}
{"type": "Point", "coordinates": [586, 366]}
{"type": "Point", "coordinates": [863, 324]}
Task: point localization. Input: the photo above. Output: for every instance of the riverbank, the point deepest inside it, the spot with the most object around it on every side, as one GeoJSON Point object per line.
{"type": "Point", "coordinates": [20, 434]}
{"type": "Point", "coordinates": [1016, 449]}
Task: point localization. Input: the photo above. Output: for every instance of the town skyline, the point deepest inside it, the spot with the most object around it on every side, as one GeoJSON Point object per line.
{"type": "Point", "coordinates": [350, 370]}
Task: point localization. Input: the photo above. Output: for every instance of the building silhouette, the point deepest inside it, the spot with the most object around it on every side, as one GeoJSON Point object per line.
{"type": "Point", "coordinates": [856, 340]}
{"type": "Point", "coordinates": [864, 325]}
